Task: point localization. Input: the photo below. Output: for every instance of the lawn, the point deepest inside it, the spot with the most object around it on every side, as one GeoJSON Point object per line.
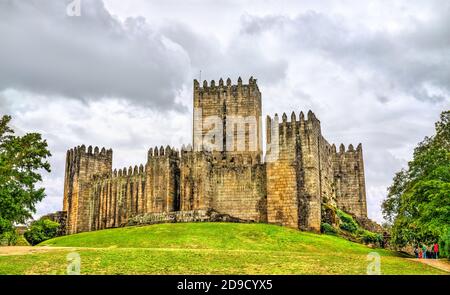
{"type": "Point", "coordinates": [208, 248]}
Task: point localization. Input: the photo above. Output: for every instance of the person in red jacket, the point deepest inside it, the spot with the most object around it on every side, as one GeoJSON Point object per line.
{"type": "Point", "coordinates": [436, 250]}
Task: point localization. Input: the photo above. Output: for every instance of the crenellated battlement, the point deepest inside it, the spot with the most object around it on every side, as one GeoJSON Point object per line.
{"type": "Point", "coordinates": [236, 90]}
{"type": "Point", "coordinates": [291, 127]}
{"type": "Point", "coordinates": [87, 162]}
{"type": "Point", "coordinates": [90, 151]}
{"type": "Point", "coordinates": [350, 149]}
{"type": "Point", "coordinates": [163, 152]}
{"type": "Point", "coordinates": [310, 119]}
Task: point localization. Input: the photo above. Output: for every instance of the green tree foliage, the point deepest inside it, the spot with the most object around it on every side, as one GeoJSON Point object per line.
{"type": "Point", "coordinates": [41, 230]}
{"type": "Point", "coordinates": [418, 202]}
{"type": "Point", "coordinates": [22, 158]}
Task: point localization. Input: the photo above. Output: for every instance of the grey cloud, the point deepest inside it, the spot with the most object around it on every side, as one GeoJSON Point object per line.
{"type": "Point", "coordinates": [382, 98]}
{"type": "Point", "coordinates": [240, 57]}
{"type": "Point", "coordinates": [255, 25]}
{"type": "Point", "coordinates": [4, 105]}
{"type": "Point", "coordinates": [87, 57]}
{"type": "Point", "coordinates": [203, 50]}
{"type": "Point", "coordinates": [414, 59]}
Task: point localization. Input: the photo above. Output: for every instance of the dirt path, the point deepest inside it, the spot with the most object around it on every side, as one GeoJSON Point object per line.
{"type": "Point", "coordinates": [23, 250]}
{"type": "Point", "coordinates": [441, 264]}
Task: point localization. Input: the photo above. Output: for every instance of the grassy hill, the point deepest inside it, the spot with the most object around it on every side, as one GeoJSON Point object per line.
{"type": "Point", "coordinates": [208, 248]}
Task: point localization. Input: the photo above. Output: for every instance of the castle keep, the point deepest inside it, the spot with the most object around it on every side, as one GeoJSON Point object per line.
{"type": "Point", "coordinates": [223, 170]}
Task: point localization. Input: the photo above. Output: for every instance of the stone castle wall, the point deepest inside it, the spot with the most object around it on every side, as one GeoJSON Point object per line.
{"type": "Point", "coordinates": [239, 189]}
{"type": "Point", "coordinates": [195, 184]}
{"type": "Point", "coordinates": [300, 173]}
{"type": "Point", "coordinates": [116, 197]}
{"type": "Point", "coordinates": [233, 185]}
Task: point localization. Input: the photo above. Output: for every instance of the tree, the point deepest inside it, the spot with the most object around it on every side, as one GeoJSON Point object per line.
{"type": "Point", "coordinates": [418, 202]}
{"type": "Point", "coordinates": [22, 158]}
{"type": "Point", "coordinates": [41, 230]}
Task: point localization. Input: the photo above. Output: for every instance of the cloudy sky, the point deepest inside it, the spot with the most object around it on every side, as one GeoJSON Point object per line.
{"type": "Point", "coordinates": [120, 74]}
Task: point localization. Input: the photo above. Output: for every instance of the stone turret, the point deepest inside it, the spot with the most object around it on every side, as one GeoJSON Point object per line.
{"type": "Point", "coordinates": [81, 166]}
{"type": "Point", "coordinates": [163, 184]}
{"type": "Point", "coordinates": [283, 165]}
{"type": "Point", "coordinates": [293, 193]}
{"type": "Point", "coordinates": [350, 180]}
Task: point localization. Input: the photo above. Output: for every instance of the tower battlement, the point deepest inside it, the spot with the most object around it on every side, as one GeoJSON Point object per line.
{"type": "Point", "coordinates": [238, 90]}
{"type": "Point", "coordinates": [290, 127]}
{"type": "Point", "coordinates": [91, 152]}
{"type": "Point", "coordinates": [161, 152]}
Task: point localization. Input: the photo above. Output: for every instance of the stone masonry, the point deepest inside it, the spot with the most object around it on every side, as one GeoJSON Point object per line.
{"type": "Point", "coordinates": [223, 170]}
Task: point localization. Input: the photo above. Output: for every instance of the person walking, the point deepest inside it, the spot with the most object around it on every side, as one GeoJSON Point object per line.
{"type": "Point", "coordinates": [436, 250]}
{"type": "Point", "coordinates": [416, 252]}
{"type": "Point", "coordinates": [424, 251]}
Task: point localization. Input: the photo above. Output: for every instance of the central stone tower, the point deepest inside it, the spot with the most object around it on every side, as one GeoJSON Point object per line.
{"type": "Point", "coordinates": [224, 170]}
{"type": "Point", "coordinates": [227, 118]}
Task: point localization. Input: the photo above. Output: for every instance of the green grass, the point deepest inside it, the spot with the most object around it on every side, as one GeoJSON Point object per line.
{"type": "Point", "coordinates": [208, 248]}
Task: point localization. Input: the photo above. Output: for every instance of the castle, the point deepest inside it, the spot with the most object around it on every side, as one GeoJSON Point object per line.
{"type": "Point", "coordinates": [222, 170]}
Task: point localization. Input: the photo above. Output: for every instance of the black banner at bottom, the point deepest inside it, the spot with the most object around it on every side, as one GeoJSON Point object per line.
{"type": "Point", "coordinates": [214, 284]}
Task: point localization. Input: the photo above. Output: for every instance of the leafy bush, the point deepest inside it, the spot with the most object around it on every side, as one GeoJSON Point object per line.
{"type": "Point", "coordinates": [370, 238]}
{"type": "Point", "coordinates": [444, 245]}
{"type": "Point", "coordinates": [21, 241]}
{"type": "Point", "coordinates": [41, 230]}
{"type": "Point", "coordinates": [328, 229]}
{"type": "Point", "coordinates": [8, 238]}
{"type": "Point", "coordinates": [347, 222]}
